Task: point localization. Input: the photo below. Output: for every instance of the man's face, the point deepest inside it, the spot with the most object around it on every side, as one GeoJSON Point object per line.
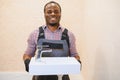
{"type": "Point", "coordinates": [52, 14]}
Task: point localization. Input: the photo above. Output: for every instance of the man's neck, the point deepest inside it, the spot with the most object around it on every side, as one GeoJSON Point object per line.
{"type": "Point", "coordinates": [53, 28]}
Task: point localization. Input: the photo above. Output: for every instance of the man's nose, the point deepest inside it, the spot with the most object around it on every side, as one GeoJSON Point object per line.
{"type": "Point", "coordinates": [52, 13]}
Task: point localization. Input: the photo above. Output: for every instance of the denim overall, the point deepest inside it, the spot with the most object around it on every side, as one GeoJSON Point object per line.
{"type": "Point", "coordinates": [59, 48]}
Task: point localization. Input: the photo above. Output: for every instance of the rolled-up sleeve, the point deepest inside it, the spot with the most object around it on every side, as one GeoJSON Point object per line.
{"type": "Point", "coordinates": [31, 44]}
{"type": "Point", "coordinates": [72, 41]}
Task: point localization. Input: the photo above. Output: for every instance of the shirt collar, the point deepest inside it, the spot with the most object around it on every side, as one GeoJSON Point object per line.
{"type": "Point", "coordinates": [59, 28]}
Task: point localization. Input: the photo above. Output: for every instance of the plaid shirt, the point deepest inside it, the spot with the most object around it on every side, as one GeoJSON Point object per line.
{"type": "Point", "coordinates": [56, 35]}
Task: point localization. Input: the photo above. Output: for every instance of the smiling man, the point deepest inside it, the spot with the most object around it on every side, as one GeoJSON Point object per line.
{"type": "Point", "coordinates": [51, 36]}
{"type": "Point", "coordinates": [52, 14]}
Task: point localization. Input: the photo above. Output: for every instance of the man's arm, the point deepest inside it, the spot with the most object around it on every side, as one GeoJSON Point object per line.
{"type": "Point", "coordinates": [26, 56]}
{"type": "Point", "coordinates": [31, 48]}
{"type": "Point", "coordinates": [77, 57]}
{"type": "Point", "coordinates": [26, 59]}
{"type": "Point", "coordinates": [73, 50]}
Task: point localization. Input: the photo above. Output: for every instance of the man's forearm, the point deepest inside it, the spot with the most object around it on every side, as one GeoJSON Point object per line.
{"type": "Point", "coordinates": [26, 59]}
{"type": "Point", "coordinates": [26, 56]}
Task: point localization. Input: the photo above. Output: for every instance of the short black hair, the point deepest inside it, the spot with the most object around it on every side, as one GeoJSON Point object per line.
{"type": "Point", "coordinates": [54, 3]}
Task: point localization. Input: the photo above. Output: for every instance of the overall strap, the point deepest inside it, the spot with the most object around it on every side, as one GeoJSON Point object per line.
{"type": "Point", "coordinates": [41, 33]}
{"type": "Point", "coordinates": [65, 36]}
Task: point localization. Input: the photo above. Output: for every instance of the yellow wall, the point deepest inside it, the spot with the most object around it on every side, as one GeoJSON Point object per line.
{"type": "Point", "coordinates": [95, 23]}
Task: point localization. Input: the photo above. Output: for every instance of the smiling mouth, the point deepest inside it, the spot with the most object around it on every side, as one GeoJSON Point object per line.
{"type": "Point", "coordinates": [53, 19]}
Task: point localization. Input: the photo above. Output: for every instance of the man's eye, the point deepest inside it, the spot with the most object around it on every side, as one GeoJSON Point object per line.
{"type": "Point", "coordinates": [49, 12]}
{"type": "Point", "coordinates": [56, 11]}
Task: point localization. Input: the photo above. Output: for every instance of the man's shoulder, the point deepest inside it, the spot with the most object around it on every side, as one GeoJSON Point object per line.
{"type": "Point", "coordinates": [36, 30]}
{"type": "Point", "coordinates": [69, 32]}
{"type": "Point", "coordinates": [63, 28]}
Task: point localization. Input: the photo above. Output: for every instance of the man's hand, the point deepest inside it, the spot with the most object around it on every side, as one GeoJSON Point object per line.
{"type": "Point", "coordinates": [26, 62]}
{"type": "Point", "coordinates": [80, 64]}
{"type": "Point", "coordinates": [79, 61]}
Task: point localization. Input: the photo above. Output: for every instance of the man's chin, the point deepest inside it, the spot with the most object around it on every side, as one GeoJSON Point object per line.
{"type": "Point", "coordinates": [53, 24]}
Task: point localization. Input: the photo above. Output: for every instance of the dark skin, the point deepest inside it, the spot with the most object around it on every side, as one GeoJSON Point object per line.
{"type": "Point", "coordinates": [52, 16]}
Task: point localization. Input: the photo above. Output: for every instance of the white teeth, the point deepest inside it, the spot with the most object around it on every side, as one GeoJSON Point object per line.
{"type": "Point", "coordinates": [53, 18]}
